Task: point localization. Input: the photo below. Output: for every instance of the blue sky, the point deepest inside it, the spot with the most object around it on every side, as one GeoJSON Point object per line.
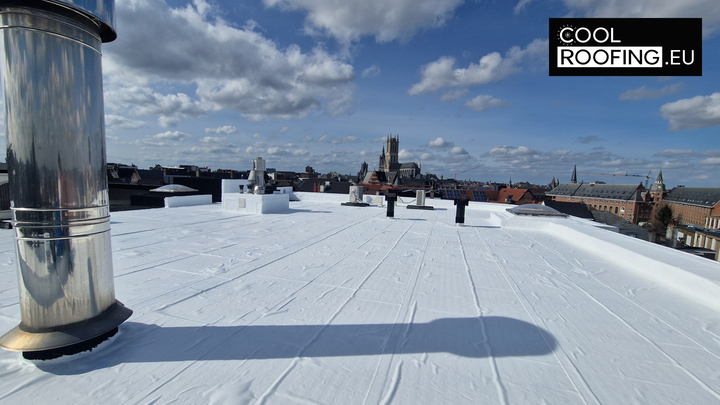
{"type": "Point", "coordinates": [464, 84]}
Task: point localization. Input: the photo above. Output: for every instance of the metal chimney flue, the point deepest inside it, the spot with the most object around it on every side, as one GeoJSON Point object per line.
{"type": "Point", "coordinates": [52, 81]}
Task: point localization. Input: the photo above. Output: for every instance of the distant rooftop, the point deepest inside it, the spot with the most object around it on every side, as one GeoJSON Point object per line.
{"type": "Point", "coordinates": [327, 304]}
{"type": "Point", "coordinates": [702, 196]}
{"type": "Point", "coordinates": [589, 190]}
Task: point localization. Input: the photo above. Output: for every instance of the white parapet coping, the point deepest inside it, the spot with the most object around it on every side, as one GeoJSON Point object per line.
{"type": "Point", "coordinates": [256, 203]}
{"type": "Point", "coordinates": [187, 200]}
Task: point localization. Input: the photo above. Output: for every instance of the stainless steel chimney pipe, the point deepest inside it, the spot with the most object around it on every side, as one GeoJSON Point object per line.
{"type": "Point", "coordinates": [52, 80]}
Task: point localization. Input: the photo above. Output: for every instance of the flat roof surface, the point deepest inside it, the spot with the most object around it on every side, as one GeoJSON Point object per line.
{"type": "Point", "coordinates": [328, 304]}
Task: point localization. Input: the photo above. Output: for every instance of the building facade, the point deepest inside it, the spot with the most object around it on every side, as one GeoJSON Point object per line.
{"type": "Point", "coordinates": [698, 206]}
{"type": "Point", "coordinates": [625, 201]}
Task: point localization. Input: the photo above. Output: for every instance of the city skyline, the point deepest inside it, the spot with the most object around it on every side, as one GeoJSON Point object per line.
{"type": "Point", "coordinates": [464, 84]}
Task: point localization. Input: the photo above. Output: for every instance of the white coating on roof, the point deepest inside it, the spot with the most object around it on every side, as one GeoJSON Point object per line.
{"type": "Point", "coordinates": [340, 305]}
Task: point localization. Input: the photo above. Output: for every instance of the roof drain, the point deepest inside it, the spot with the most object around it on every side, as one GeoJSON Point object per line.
{"type": "Point", "coordinates": [52, 78]}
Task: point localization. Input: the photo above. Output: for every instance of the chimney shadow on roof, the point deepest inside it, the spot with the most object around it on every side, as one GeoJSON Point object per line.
{"type": "Point", "coordinates": [467, 337]}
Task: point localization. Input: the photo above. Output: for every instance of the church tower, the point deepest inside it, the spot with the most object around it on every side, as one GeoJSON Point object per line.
{"type": "Point", "coordinates": [657, 190]}
{"type": "Point", "coordinates": [393, 148]}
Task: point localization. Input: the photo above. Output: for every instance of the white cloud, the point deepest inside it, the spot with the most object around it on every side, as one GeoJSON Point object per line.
{"type": "Point", "coordinates": [381, 139]}
{"type": "Point", "coordinates": [454, 95]}
{"type": "Point", "coordinates": [621, 162]}
{"type": "Point", "coordinates": [118, 122]}
{"type": "Point", "coordinates": [257, 136]}
{"type": "Point", "coordinates": [521, 6]}
{"type": "Point", "coordinates": [252, 150]}
{"type": "Point", "coordinates": [205, 151]}
{"type": "Point", "coordinates": [231, 68]}
{"type": "Point", "coordinates": [711, 153]}
{"type": "Point", "coordinates": [708, 10]}
{"type": "Point", "coordinates": [491, 67]}
{"type": "Point", "coordinates": [227, 129]}
{"type": "Point", "coordinates": [483, 102]}
{"type": "Point", "coordinates": [172, 136]}
{"type": "Point", "coordinates": [214, 140]}
{"type": "Point", "coordinates": [674, 152]}
{"type": "Point", "coordinates": [171, 108]}
{"type": "Point", "coordinates": [711, 161]}
{"type": "Point", "coordinates": [387, 20]}
{"type": "Point", "coordinates": [696, 112]}
{"type": "Point", "coordinates": [282, 130]}
{"type": "Point", "coordinates": [372, 71]}
{"type": "Point", "coordinates": [150, 142]}
{"type": "Point", "coordinates": [458, 151]}
{"type": "Point", "coordinates": [427, 156]}
{"type": "Point", "coordinates": [510, 152]}
{"type": "Point", "coordinates": [644, 92]}
{"type": "Point", "coordinates": [333, 140]}
{"type": "Point", "coordinates": [440, 143]}
{"type": "Point", "coordinates": [275, 151]}
{"type": "Point", "coordinates": [405, 155]}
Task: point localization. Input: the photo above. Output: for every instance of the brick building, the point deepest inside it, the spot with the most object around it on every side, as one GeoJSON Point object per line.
{"type": "Point", "coordinates": [695, 206]}
{"type": "Point", "coordinates": [625, 201]}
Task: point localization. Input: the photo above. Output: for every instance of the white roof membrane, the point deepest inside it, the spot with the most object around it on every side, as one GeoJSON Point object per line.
{"type": "Point", "coordinates": [330, 304]}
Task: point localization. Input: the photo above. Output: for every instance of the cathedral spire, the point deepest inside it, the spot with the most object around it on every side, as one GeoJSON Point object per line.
{"type": "Point", "coordinates": [573, 180]}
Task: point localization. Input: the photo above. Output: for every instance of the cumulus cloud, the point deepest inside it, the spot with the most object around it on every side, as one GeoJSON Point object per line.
{"type": "Point", "coordinates": [118, 122]}
{"type": "Point", "coordinates": [644, 92]}
{"type": "Point", "coordinates": [440, 143]}
{"type": "Point", "coordinates": [492, 67]}
{"type": "Point", "coordinates": [427, 156]}
{"type": "Point", "coordinates": [282, 130]}
{"type": "Point", "coordinates": [227, 129]}
{"type": "Point", "coordinates": [454, 95]}
{"type": "Point", "coordinates": [372, 71]}
{"type": "Point", "coordinates": [708, 10]}
{"type": "Point", "coordinates": [172, 136]}
{"type": "Point", "coordinates": [231, 68]}
{"type": "Point", "coordinates": [688, 153]}
{"type": "Point", "coordinates": [214, 140]}
{"type": "Point", "coordinates": [696, 112]}
{"type": "Point", "coordinates": [458, 151]}
{"type": "Point", "coordinates": [253, 150]}
{"type": "Point", "coordinates": [171, 108]}
{"type": "Point", "coordinates": [674, 152]}
{"type": "Point", "coordinates": [386, 20]}
{"type": "Point", "coordinates": [211, 150]}
{"type": "Point", "coordinates": [483, 102]}
{"type": "Point", "coordinates": [404, 154]}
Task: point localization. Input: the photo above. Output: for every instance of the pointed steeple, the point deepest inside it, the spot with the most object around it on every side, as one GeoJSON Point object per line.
{"type": "Point", "coordinates": [573, 180]}
{"type": "Point", "coordinates": [658, 189]}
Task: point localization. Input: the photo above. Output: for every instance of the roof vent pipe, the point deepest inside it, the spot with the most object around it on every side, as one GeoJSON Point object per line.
{"type": "Point", "coordinates": [52, 80]}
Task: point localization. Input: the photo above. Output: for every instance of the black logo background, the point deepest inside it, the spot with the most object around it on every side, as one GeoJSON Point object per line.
{"type": "Point", "coordinates": [683, 34]}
